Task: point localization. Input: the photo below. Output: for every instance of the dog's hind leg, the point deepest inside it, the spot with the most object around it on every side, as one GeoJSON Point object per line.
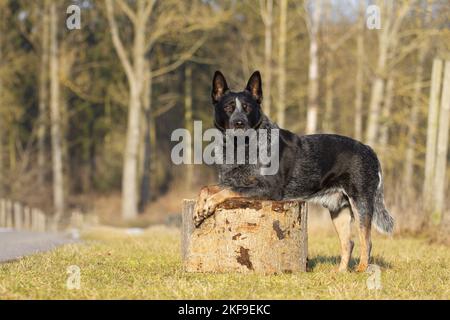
{"type": "Point", "coordinates": [342, 221]}
{"type": "Point", "coordinates": [363, 221]}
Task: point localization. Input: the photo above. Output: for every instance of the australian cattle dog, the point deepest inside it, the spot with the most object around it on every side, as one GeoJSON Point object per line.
{"type": "Point", "coordinates": [340, 173]}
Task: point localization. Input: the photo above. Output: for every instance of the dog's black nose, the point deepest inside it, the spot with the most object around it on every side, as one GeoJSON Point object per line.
{"type": "Point", "coordinates": [239, 124]}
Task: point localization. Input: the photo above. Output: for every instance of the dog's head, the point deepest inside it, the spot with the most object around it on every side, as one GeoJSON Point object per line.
{"type": "Point", "coordinates": [237, 110]}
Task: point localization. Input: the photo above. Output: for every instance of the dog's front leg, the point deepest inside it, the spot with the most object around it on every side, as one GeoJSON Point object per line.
{"type": "Point", "coordinates": [209, 198]}
{"type": "Point", "coordinates": [205, 192]}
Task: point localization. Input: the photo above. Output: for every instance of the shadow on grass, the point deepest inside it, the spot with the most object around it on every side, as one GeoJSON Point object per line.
{"type": "Point", "coordinates": [334, 260]}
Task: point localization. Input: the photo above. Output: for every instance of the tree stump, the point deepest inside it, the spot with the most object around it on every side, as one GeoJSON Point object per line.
{"type": "Point", "coordinates": [246, 235]}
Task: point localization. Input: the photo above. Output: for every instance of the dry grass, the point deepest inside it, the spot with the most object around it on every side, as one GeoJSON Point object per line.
{"type": "Point", "coordinates": [115, 265]}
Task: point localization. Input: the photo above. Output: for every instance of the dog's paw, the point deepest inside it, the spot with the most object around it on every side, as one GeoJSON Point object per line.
{"type": "Point", "coordinates": [340, 269]}
{"type": "Point", "coordinates": [198, 213]}
{"type": "Point", "coordinates": [198, 216]}
{"type": "Point", "coordinates": [199, 205]}
{"type": "Point", "coordinates": [209, 207]}
{"type": "Point", "coordinates": [362, 267]}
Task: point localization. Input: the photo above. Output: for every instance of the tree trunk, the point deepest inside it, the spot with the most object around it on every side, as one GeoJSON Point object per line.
{"type": "Point", "coordinates": [328, 119]}
{"type": "Point", "coordinates": [413, 122]}
{"type": "Point", "coordinates": [432, 126]}
{"type": "Point", "coordinates": [135, 72]}
{"type": "Point", "coordinates": [387, 106]}
{"type": "Point", "coordinates": [393, 15]}
{"type": "Point", "coordinates": [313, 73]}
{"type": "Point", "coordinates": [329, 96]}
{"type": "Point", "coordinates": [246, 235]}
{"type": "Point", "coordinates": [2, 164]}
{"type": "Point", "coordinates": [188, 121]}
{"type": "Point", "coordinates": [43, 97]}
{"type": "Point", "coordinates": [154, 181]}
{"type": "Point", "coordinates": [129, 177]}
{"type": "Point", "coordinates": [268, 24]}
{"type": "Point", "coordinates": [377, 92]}
{"type": "Point", "coordinates": [442, 148]}
{"type": "Point", "coordinates": [281, 108]}
{"type": "Point", "coordinates": [378, 80]}
{"type": "Point", "coordinates": [145, 189]}
{"type": "Point", "coordinates": [359, 85]}
{"type": "Point", "coordinates": [57, 165]}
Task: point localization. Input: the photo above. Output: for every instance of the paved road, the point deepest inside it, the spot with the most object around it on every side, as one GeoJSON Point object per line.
{"type": "Point", "coordinates": [16, 244]}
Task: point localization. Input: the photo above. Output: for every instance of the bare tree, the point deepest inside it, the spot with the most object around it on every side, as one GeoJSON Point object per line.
{"type": "Point", "coordinates": [1, 101]}
{"type": "Point", "coordinates": [188, 119]}
{"type": "Point", "coordinates": [147, 152]}
{"type": "Point", "coordinates": [359, 81]}
{"type": "Point", "coordinates": [281, 101]}
{"type": "Point", "coordinates": [43, 94]}
{"type": "Point", "coordinates": [134, 64]}
{"type": "Point", "coordinates": [55, 116]}
{"type": "Point", "coordinates": [134, 70]}
{"type": "Point", "coordinates": [266, 11]}
{"type": "Point", "coordinates": [386, 114]}
{"type": "Point", "coordinates": [313, 73]}
{"type": "Point", "coordinates": [432, 129]}
{"type": "Point", "coordinates": [442, 147]}
{"type": "Point", "coordinates": [417, 103]}
{"type": "Point", "coordinates": [387, 36]}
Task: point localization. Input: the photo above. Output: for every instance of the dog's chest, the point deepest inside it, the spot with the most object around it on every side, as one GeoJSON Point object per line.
{"type": "Point", "coordinates": [239, 175]}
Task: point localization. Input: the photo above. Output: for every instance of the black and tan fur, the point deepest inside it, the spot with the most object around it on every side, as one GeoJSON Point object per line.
{"type": "Point", "coordinates": [340, 173]}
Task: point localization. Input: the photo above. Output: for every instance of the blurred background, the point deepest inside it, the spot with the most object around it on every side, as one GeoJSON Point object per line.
{"type": "Point", "coordinates": [86, 114]}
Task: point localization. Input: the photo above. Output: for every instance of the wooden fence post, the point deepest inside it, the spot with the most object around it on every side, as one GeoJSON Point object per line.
{"type": "Point", "coordinates": [34, 220]}
{"type": "Point", "coordinates": [44, 221]}
{"type": "Point", "coordinates": [2, 213]}
{"type": "Point", "coordinates": [27, 218]}
{"type": "Point", "coordinates": [18, 217]}
{"type": "Point", "coordinates": [9, 214]}
{"type": "Point", "coordinates": [14, 215]}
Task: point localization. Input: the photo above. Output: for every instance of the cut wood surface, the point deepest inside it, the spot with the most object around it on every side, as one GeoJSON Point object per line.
{"type": "Point", "coordinates": [246, 235]}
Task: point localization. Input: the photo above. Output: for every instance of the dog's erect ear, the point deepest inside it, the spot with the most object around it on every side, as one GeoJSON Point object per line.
{"type": "Point", "coordinates": [219, 87]}
{"type": "Point", "coordinates": [254, 85]}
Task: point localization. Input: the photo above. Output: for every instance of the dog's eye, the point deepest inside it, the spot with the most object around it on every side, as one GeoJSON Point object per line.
{"type": "Point", "coordinates": [246, 107]}
{"type": "Point", "coordinates": [228, 108]}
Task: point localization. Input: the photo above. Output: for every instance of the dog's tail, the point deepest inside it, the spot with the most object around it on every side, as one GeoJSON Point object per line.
{"type": "Point", "coordinates": [382, 220]}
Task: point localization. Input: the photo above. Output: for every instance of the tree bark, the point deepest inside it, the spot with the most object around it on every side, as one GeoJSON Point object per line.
{"type": "Point", "coordinates": [413, 123]}
{"type": "Point", "coordinates": [387, 41]}
{"type": "Point", "coordinates": [387, 106]}
{"type": "Point", "coordinates": [188, 121]}
{"type": "Point", "coordinates": [43, 96]}
{"type": "Point", "coordinates": [267, 17]}
{"type": "Point", "coordinates": [281, 107]}
{"type": "Point", "coordinates": [328, 119]}
{"type": "Point", "coordinates": [135, 76]}
{"type": "Point", "coordinates": [145, 187]}
{"type": "Point", "coordinates": [377, 94]}
{"type": "Point", "coordinates": [442, 148]}
{"type": "Point", "coordinates": [246, 235]}
{"type": "Point", "coordinates": [129, 175]}
{"type": "Point", "coordinates": [432, 127]}
{"type": "Point", "coordinates": [57, 165]}
{"type": "Point", "coordinates": [313, 73]}
{"type": "Point", "coordinates": [2, 164]}
{"type": "Point", "coordinates": [414, 114]}
{"type": "Point", "coordinates": [359, 85]}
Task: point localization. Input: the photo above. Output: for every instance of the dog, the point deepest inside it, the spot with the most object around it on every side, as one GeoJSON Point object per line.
{"type": "Point", "coordinates": [338, 172]}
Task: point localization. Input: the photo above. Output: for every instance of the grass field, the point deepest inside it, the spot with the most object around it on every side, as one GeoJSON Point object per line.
{"type": "Point", "coordinates": [115, 265]}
